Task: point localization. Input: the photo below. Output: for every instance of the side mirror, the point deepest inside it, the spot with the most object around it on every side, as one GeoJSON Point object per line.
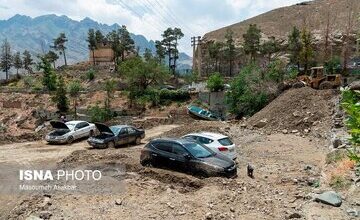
{"type": "Point", "coordinates": [187, 156]}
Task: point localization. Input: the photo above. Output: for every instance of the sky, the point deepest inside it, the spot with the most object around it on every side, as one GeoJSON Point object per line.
{"type": "Point", "coordinates": [150, 17]}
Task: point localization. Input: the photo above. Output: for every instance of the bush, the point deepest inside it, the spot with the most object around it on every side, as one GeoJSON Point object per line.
{"type": "Point", "coordinates": [247, 94]}
{"type": "Point", "coordinates": [99, 114]}
{"type": "Point", "coordinates": [215, 83]}
{"type": "Point", "coordinates": [90, 74]}
{"type": "Point", "coordinates": [333, 66]}
{"type": "Point", "coordinates": [276, 71]}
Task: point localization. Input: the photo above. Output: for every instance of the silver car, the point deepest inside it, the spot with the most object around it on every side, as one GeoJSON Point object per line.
{"type": "Point", "coordinates": [69, 131]}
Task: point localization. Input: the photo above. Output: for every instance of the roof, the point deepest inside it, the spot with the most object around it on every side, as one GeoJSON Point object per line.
{"type": "Point", "coordinates": [210, 135]}
{"type": "Point", "coordinates": [178, 140]}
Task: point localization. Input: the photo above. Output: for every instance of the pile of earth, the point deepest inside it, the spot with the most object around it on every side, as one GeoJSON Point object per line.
{"type": "Point", "coordinates": [298, 110]}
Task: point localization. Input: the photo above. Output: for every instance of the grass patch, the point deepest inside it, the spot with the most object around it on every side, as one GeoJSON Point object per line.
{"type": "Point", "coordinates": [335, 156]}
{"type": "Point", "coordinates": [339, 182]}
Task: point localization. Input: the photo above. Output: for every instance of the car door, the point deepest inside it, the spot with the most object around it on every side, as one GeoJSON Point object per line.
{"type": "Point", "coordinates": [77, 131]}
{"type": "Point", "coordinates": [123, 137]}
{"type": "Point", "coordinates": [164, 152]}
{"type": "Point", "coordinates": [177, 159]}
{"type": "Point", "coordinates": [84, 129]}
{"type": "Point", "coordinates": [132, 134]}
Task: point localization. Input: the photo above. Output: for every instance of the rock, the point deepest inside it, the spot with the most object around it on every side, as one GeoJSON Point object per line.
{"type": "Point", "coordinates": [181, 213]}
{"type": "Point", "coordinates": [39, 128]}
{"type": "Point", "coordinates": [336, 142]}
{"type": "Point", "coordinates": [353, 212]}
{"type": "Point", "coordinates": [285, 131]}
{"type": "Point", "coordinates": [45, 215]}
{"type": "Point", "coordinates": [294, 131]}
{"type": "Point", "coordinates": [232, 209]}
{"type": "Point", "coordinates": [208, 216]}
{"type": "Point", "coordinates": [294, 215]}
{"type": "Point", "coordinates": [33, 217]}
{"type": "Point", "coordinates": [355, 85]}
{"type": "Point", "coordinates": [170, 205]}
{"type": "Point", "coordinates": [329, 198]}
{"type": "Point", "coordinates": [262, 123]}
{"type": "Point", "coordinates": [243, 126]}
{"type": "Point", "coordinates": [306, 131]}
{"type": "Point", "coordinates": [296, 114]}
{"type": "Point", "coordinates": [308, 167]}
{"type": "Point", "coordinates": [118, 202]}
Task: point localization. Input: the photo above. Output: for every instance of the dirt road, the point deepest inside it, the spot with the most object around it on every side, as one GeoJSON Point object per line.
{"type": "Point", "coordinates": [280, 187]}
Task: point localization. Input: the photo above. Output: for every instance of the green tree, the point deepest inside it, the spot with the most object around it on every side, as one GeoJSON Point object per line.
{"type": "Point", "coordinates": [148, 54]}
{"type": "Point", "coordinates": [215, 83]}
{"type": "Point", "coordinates": [170, 42]}
{"type": "Point", "coordinates": [49, 76]}
{"type": "Point", "coordinates": [252, 41]}
{"type": "Point", "coordinates": [74, 90]}
{"type": "Point", "coordinates": [99, 37]}
{"type": "Point", "coordinates": [91, 39]}
{"type": "Point", "coordinates": [333, 66]}
{"type": "Point", "coordinates": [18, 64]}
{"type": "Point", "coordinates": [110, 86]}
{"type": "Point", "coordinates": [27, 61]}
{"type": "Point", "coordinates": [270, 47]}
{"type": "Point", "coordinates": [307, 51]}
{"type": "Point", "coordinates": [127, 44]}
{"type": "Point", "coordinates": [294, 46]}
{"type": "Point", "coordinates": [141, 74]}
{"type": "Point", "coordinates": [246, 95]}
{"type": "Point", "coordinates": [52, 57]}
{"type": "Point", "coordinates": [276, 71]}
{"type": "Point", "coordinates": [60, 98]}
{"type": "Point", "coordinates": [160, 51]}
{"type": "Point", "coordinates": [59, 45]}
{"type": "Point", "coordinates": [5, 58]}
{"type": "Point", "coordinates": [230, 49]}
{"type": "Point", "coordinates": [214, 53]}
{"type": "Point", "coordinates": [114, 39]}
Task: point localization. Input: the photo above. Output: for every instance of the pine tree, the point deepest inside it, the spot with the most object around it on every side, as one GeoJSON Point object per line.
{"type": "Point", "coordinates": [74, 92]}
{"type": "Point", "coordinates": [294, 46]}
{"type": "Point", "coordinates": [27, 61]}
{"type": "Point", "coordinates": [170, 42]}
{"type": "Point", "coordinates": [49, 77]}
{"type": "Point", "coordinates": [51, 56]}
{"type": "Point", "coordinates": [307, 51]}
{"type": "Point", "coordinates": [230, 49]}
{"type": "Point", "coordinates": [59, 45]}
{"type": "Point", "coordinates": [214, 53]}
{"type": "Point", "coordinates": [252, 41]}
{"type": "Point", "coordinates": [270, 47]}
{"type": "Point", "coordinates": [99, 37]}
{"type": "Point", "coordinates": [60, 98]}
{"type": "Point", "coordinates": [127, 44]}
{"type": "Point", "coordinates": [160, 51]}
{"type": "Point", "coordinates": [148, 54]}
{"type": "Point", "coordinates": [18, 64]}
{"type": "Point", "coordinates": [92, 43]}
{"type": "Point", "coordinates": [5, 58]}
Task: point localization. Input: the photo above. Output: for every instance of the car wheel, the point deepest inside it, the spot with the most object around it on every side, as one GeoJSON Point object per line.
{"type": "Point", "coordinates": [201, 174]}
{"type": "Point", "coordinates": [91, 133]}
{"type": "Point", "coordinates": [110, 145]}
{"type": "Point", "coordinates": [146, 163]}
{"type": "Point", "coordinates": [138, 141]}
{"type": "Point", "coordinates": [70, 140]}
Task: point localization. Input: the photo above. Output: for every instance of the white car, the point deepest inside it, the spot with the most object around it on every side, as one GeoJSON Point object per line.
{"type": "Point", "coordinates": [69, 131]}
{"type": "Point", "coordinates": [219, 143]}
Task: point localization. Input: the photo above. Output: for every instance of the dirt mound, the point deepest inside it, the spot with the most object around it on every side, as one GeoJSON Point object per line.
{"type": "Point", "coordinates": [299, 110]}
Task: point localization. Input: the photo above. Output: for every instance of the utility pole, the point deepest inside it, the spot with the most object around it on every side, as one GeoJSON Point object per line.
{"type": "Point", "coordinates": [196, 41]}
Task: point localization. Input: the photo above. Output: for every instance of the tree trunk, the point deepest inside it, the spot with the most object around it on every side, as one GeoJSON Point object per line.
{"type": "Point", "coordinates": [93, 52]}
{"type": "Point", "coordinates": [54, 65]}
{"type": "Point", "coordinates": [75, 109]}
{"type": "Point", "coordinates": [7, 74]}
{"type": "Point", "coordinates": [64, 58]}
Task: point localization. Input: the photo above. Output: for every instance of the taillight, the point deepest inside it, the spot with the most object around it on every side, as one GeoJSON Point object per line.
{"type": "Point", "coordinates": [223, 149]}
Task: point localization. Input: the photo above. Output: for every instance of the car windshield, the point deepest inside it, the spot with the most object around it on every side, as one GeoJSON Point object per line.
{"type": "Point", "coordinates": [225, 141]}
{"type": "Point", "coordinates": [115, 130]}
{"type": "Point", "coordinates": [198, 150]}
{"type": "Point", "coordinates": [70, 126]}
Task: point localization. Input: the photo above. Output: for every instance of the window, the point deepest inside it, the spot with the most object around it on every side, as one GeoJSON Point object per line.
{"type": "Point", "coordinates": [123, 131]}
{"type": "Point", "coordinates": [163, 146]}
{"type": "Point", "coordinates": [198, 150]}
{"type": "Point", "coordinates": [204, 140]}
{"type": "Point", "coordinates": [178, 149]}
{"type": "Point", "coordinates": [131, 130]}
{"type": "Point", "coordinates": [82, 125]}
{"type": "Point", "coordinates": [225, 141]}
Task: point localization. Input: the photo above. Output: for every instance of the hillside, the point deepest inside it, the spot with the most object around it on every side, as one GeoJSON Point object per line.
{"type": "Point", "coordinates": [36, 35]}
{"type": "Point", "coordinates": [313, 14]}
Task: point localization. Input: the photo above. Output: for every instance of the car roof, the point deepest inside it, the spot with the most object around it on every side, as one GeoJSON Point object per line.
{"type": "Point", "coordinates": [177, 140]}
{"type": "Point", "coordinates": [75, 122]}
{"type": "Point", "coordinates": [120, 126]}
{"type": "Point", "coordinates": [210, 135]}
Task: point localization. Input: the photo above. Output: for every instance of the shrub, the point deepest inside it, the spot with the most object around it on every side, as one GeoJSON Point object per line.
{"type": "Point", "coordinates": [215, 83]}
{"type": "Point", "coordinates": [99, 114]}
{"type": "Point", "coordinates": [333, 66]}
{"type": "Point", "coordinates": [276, 71]}
{"type": "Point", "coordinates": [90, 74]}
{"type": "Point", "coordinates": [247, 94]}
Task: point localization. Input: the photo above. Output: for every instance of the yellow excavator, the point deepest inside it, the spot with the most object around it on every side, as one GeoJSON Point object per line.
{"type": "Point", "coordinates": [318, 79]}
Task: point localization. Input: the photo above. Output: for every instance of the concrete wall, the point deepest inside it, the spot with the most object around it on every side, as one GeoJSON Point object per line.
{"type": "Point", "coordinates": [216, 101]}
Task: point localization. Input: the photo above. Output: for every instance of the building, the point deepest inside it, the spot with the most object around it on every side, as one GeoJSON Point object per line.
{"type": "Point", "coordinates": [103, 54]}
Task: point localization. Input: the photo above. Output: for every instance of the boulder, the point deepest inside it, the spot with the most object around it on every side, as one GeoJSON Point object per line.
{"type": "Point", "coordinates": [262, 123]}
{"type": "Point", "coordinates": [355, 85]}
{"type": "Point", "coordinates": [329, 198]}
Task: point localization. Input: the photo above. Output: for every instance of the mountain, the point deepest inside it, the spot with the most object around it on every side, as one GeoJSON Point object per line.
{"type": "Point", "coordinates": [313, 14]}
{"type": "Point", "coordinates": [37, 34]}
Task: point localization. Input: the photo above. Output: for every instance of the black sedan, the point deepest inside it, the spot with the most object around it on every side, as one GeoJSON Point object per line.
{"type": "Point", "coordinates": [116, 135]}
{"type": "Point", "coordinates": [187, 155]}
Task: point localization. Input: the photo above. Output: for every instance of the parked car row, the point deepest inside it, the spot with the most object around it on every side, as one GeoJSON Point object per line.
{"type": "Point", "coordinates": [203, 154]}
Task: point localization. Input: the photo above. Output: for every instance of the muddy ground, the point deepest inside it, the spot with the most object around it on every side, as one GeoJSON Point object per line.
{"type": "Point", "coordinates": [286, 168]}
